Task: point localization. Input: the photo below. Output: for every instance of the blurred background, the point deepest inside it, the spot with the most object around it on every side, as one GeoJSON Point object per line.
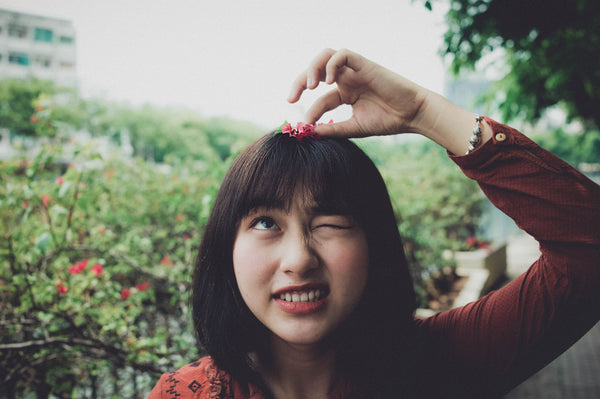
{"type": "Point", "coordinates": [118, 120]}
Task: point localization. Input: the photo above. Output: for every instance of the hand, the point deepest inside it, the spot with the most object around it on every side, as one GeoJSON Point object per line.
{"type": "Point", "coordinates": [382, 102]}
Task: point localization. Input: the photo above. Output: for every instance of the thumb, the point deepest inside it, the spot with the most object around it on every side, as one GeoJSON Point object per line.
{"type": "Point", "coordinates": [348, 128]}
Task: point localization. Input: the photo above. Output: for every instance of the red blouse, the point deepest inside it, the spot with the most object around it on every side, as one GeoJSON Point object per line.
{"type": "Point", "coordinates": [487, 347]}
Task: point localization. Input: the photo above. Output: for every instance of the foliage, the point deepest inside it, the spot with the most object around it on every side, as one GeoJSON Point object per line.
{"type": "Point", "coordinates": [22, 106]}
{"type": "Point", "coordinates": [34, 108]}
{"type": "Point", "coordinates": [95, 260]}
{"type": "Point", "coordinates": [550, 48]}
{"type": "Point", "coordinates": [436, 206]}
{"type": "Point", "coordinates": [573, 148]}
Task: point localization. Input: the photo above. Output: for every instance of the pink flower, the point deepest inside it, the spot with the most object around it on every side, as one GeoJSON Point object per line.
{"type": "Point", "coordinates": [59, 180]}
{"type": "Point", "coordinates": [45, 200]}
{"type": "Point", "coordinates": [286, 129]}
{"type": "Point", "coordinates": [142, 286]}
{"type": "Point", "coordinates": [186, 236]}
{"type": "Point", "coordinates": [97, 269]}
{"type": "Point", "coordinates": [165, 261]}
{"type": "Point", "coordinates": [33, 119]}
{"type": "Point", "coordinates": [125, 293]}
{"type": "Point", "coordinates": [179, 217]}
{"type": "Point", "coordinates": [25, 204]}
{"type": "Point", "coordinates": [79, 267]}
{"type": "Point", "coordinates": [61, 288]}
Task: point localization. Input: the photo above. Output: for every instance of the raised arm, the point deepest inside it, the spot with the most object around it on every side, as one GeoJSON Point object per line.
{"type": "Point", "coordinates": [383, 102]}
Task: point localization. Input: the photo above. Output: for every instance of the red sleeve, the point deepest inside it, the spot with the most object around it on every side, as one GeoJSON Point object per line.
{"type": "Point", "coordinates": [509, 334]}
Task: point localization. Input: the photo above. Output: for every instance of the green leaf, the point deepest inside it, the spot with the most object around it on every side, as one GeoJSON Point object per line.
{"type": "Point", "coordinates": [43, 241]}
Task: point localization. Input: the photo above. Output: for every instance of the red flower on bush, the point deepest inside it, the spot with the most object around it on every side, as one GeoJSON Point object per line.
{"type": "Point", "coordinates": [25, 204]}
{"type": "Point", "coordinates": [165, 261]}
{"type": "Point", "coordinates": [59, 180]}
{"type": "Point", "coordinates": [475, 243]}
{"type": "Point", "coordinates": [33, 119]}
{"type": "Point", "coordinates": [142, 286]}
{"type": "Point", "coordinates": [45, 200]}
{"type": "Point", "coordinates": [125, 293]}
{"type": "Point", "coordinates": [61, 288]}
{"type": "Point", "coordinates": [97, 269]}
{"type": "Point", "coordinates": [179, 217]}
{"type": "Point", "coordinates": [79, 267]}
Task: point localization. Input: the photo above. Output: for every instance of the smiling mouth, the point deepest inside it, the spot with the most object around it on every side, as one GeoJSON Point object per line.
{"type": "Point", "coordinates": [303, 296]}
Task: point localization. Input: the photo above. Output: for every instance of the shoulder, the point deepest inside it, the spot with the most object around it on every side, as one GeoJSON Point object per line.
{"type": "Point", "coordinates": [199, 380]}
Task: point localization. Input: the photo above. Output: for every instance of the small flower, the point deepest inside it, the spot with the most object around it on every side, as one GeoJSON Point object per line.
{"type": "Point", "coordinates": [301, 131]}
{"type": "Point", "coordinates": [125, 293]}
{"type": "Point", "coordinates": [78, 267]}
{"type": "Point", "coordinates": [179, 217]}
{"type": "Point", "coordinates": [186, 236]}
{"type": "Point", "coordinates": [38, 108]}
{"type": "Point", "coordinates": [45, 200]}
{"type": "Point", "coordinates": [98, 270]}
{"type": "Point", "coordinates": [165, 261]}
{"type": "Point", "coordinates": [25, 204]}
{"type": "Point", "coordinates": [61, 289]}
{"type": "Point", "coordinates": [101, 229]}
{"type": "Point", "coordinates": [286, 128]}
{"type": "Point", "coordinates": [142, 286]}
{"type": "Point", "coordinates": [33, 119]}
{"type": "Point", "coordinates": [59, 180]}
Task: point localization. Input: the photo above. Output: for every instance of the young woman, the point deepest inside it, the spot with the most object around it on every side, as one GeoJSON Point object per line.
{"type": "Point", "coordinates": [301, 287]}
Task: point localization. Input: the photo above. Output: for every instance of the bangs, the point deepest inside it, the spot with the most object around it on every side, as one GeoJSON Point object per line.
{"type": "Point", "coordinates": [278, 168]}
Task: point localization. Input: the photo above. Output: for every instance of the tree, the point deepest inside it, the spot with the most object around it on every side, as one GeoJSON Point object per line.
{"type": "Point", "coordinates": [22, 108]}
{"type": "Point", "coordinates": [551, 48]}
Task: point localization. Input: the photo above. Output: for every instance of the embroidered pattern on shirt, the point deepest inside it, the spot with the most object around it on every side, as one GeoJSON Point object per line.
{"type": "Point", "coordinates": [194, 386]}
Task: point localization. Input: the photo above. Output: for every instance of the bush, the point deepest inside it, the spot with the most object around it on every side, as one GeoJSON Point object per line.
{"type": "Point", "coordinates": [95, 265]}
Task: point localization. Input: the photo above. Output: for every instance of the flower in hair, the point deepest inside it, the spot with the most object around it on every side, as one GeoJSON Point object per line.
{"type": "Point", "coordinates": [301, 131]}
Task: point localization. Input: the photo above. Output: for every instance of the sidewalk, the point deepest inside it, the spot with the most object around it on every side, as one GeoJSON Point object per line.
{"type": "Point", "coordinates": [573, 375]}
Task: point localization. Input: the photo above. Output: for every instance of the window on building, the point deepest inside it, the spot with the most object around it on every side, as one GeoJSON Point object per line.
{"type": "Point", "coordinates": [43, 35]}
{"type": "Point", "coordinates": [42, 61]}
{"type": "Point", "coordinates": [18, 59]}
{"type": "Point", "coordinates": [19, 31]}
{"type": "Point", "coordinates": [66, 40]}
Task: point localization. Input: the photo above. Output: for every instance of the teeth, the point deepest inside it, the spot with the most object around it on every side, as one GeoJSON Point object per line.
{"type": "Point", "coordinates": [310, 296]}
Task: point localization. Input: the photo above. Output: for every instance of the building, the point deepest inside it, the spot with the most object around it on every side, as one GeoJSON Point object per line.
{"type": "Point", "coordinates": [37, 46]}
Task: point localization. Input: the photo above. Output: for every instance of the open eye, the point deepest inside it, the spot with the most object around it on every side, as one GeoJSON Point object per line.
{"type": "Point", "coordinates": [264, 223]}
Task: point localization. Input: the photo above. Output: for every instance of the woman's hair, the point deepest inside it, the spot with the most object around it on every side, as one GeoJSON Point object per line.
{"type": "Point", "coordinates": [337, 175]}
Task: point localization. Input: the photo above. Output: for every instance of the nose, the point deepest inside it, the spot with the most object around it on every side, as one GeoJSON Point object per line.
{"type": "Point", "coordinates": [298, 256]}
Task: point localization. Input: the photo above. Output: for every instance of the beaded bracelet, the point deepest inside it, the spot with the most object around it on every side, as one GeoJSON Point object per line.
{"type": "Point", "coordinates": [475, 139]}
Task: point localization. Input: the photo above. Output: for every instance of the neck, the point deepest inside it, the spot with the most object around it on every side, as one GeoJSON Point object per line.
{"type": "Point", "coordinates": [298, 371]}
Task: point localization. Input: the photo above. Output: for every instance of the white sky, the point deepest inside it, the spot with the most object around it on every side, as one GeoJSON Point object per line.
{"type": "Point", "coordinates": [237, 58]}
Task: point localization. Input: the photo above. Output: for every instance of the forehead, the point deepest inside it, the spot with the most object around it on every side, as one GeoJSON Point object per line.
{"type": "Point", "coordinates": [302, 200]}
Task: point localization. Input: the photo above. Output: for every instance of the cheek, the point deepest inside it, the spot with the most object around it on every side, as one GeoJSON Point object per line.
{"type": "Point", "coordinates": [249, 266]}
{"type": "Point", "coordinates": [350, 263]}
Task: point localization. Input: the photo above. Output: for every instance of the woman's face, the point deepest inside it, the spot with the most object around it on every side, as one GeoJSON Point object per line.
{"type": "Point", "coordinates": [300, 271]}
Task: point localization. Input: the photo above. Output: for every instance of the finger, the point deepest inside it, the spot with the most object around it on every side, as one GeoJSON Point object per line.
{"type": "Point", "coordinates": [339, 60]}
{"type": "Point", "coordinates": [298, 87]}
{"type": "Point", "coordinates": [327, 102]}
{"type": "Point", "coordinates": [316, 71]}
{"type": "Point", "coordinates": [348, 128]}
{"type": "Point", "coordinates": [310, 79]}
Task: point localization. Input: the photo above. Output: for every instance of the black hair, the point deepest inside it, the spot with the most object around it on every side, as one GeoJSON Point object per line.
{"type": "Point", "coordinates": [337, 175]}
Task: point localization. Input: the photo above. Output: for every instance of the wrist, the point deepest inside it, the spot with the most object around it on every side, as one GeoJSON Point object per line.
{"type": "Point", "coordinates": [449, 125]}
